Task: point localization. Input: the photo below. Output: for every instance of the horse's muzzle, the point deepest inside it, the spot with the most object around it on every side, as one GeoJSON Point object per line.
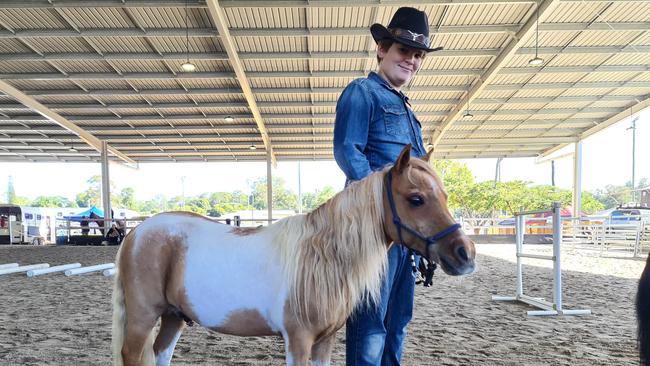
{"type": "Point", "coordinates": [456, 256]}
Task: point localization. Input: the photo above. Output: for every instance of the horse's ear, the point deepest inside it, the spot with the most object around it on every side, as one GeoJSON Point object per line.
{"type": "Point", "coordinates": [428, 156]}
{"type": "Point", "coordinates": [403, 159]}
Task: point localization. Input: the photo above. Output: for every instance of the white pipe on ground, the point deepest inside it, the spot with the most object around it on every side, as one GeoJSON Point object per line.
{"type": "Point", "coordinates": [109, 272]}
{"type": "Point", "coordinates": [61, 268]}
{"type": "Point", "coordinates": [95, 268]}
{"type": "Point", "coordinates": [23, 268]}
{"type": "Point", "coordinates": [8, 265]}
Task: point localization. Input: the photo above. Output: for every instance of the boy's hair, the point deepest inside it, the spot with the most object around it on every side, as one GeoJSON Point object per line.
{"type": "Point", "coordinates": [384, 44]}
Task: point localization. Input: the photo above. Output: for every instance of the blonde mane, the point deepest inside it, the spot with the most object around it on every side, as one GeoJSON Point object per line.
{"type": "Point", "coordinates": [335, 257]}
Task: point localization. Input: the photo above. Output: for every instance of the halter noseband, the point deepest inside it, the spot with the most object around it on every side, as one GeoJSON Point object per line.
{"type": "Point", "coordinates": [431, 240]}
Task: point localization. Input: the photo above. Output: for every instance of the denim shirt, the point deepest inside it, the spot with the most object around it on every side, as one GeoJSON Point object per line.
{"type": "Point", "coordinates": [373, 124]}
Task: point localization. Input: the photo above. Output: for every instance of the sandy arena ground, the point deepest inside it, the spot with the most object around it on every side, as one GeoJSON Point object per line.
{"type": "Point", "coordinates": [58, 320]}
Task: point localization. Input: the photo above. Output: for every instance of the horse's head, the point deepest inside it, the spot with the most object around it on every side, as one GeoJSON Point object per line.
{"type": "Point", "coordinates": [415, 205]}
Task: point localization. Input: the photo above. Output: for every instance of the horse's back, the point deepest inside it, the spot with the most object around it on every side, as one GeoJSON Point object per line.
{"type": "Point", "coordinates": [209, 271]}
{"type": "Point", "coordinates": [643, 314]}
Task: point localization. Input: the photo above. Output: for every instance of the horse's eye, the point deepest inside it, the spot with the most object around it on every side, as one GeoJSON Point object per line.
{"type": "Point", "coordinates": [416, 201]}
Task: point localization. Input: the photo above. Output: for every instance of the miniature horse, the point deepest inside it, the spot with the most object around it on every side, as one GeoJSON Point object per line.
{"type": "Point", "coordinates": [312, 270]}
{"type": "Point", "coordinates": [643, 315]}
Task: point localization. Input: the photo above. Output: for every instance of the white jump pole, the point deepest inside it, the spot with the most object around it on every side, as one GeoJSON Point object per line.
{"type": "Point", "coordinates": [109, 272]}
{"type": "Point", "coordinates": [61, 268]}
{"type": "Point", "coordinates": [23, 268]}
{"type": "Point", "coordinates": [548, 308]}
{"type": "Point", "coordinates": [95, 268]}
{"type": "Point", "coordinates": [8, 265]}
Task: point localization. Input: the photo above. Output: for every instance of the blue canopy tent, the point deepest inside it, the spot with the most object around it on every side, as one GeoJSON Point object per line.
{"type": "Point", "coordinates": [80, 215]}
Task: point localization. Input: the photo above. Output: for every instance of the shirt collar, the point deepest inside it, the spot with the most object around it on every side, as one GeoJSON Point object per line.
{"type": "Point", "coordinates": [381, 81]}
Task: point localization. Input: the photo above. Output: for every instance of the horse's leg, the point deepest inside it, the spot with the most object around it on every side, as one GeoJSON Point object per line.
{"type": "Point", "coordinates": [297, 345]}
{"type": "Point", "coordinates": [321, 351]}
{"type": "Point", "coordinates": [138, 341]}
{"type": "Point", "coordinates": [171, 328]}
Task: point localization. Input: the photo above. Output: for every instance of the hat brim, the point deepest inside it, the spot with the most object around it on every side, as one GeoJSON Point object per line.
{"type": "Point", "coordinates": [379, 32]}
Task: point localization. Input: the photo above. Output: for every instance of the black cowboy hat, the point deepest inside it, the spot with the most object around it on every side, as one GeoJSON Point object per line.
{"type": "Point", "coordinates": [409, 27]}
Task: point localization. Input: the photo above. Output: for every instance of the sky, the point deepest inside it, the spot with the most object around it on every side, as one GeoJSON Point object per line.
{"type": "Point", "coordinates": [607, 159]}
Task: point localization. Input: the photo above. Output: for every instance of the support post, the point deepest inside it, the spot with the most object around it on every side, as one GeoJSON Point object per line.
{"type": "Point", "coordinates": [106, 189]}
{"type": "Point", "coordinates": [269, 187]}
{"type": "Point", "coordinates": [557, 246]}
{"type": "Point", "coordinates": [577, 179]}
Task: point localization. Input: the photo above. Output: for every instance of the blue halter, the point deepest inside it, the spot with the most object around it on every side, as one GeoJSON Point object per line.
{"type": "Point", "coordinates": [431, 240]}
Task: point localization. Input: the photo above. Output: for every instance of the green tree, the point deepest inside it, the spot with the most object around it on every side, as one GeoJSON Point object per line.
{"type": "Point", "coordinates": [283, 199]}
{"type": "Point", "coordinates": [53, 201]}
{"type": "Point", "coordinates": [457, 179]}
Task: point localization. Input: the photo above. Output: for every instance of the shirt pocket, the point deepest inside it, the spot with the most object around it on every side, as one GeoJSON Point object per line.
{"type": "Point", "coordinates": [395, 120]}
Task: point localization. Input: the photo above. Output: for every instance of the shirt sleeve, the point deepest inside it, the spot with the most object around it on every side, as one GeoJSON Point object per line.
{"type": "Point", "coordinates": [351, 126]}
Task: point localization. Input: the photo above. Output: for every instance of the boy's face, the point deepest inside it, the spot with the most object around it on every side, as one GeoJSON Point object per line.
{"type": "Point", "coordinates": [399, 63]}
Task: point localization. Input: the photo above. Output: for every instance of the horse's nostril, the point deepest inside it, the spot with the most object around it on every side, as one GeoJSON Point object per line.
{"type": "Point", "coordinates": [462, 253]}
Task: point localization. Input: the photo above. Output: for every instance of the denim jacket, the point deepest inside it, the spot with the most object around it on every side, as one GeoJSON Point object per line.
{"type": "Point", "coordinates": [373, 124]}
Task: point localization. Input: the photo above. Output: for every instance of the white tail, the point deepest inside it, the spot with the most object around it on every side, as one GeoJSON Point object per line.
{"type": "Point", "coordinates": [119, 320]}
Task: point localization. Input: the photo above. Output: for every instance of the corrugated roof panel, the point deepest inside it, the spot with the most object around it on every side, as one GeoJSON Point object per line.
{"type": "Point", "coordinates": [60, 45]}
{"type": "Point", "coordinates": [265, 17]}
{"type": "Point", "coordinates": [157, 99]}
{"type": "Point", "coordinates": [36, 85]}
{"type": "Point", "coordinates": [440, 80]}
{"type": "Point", "coordinates": [527, 93]}
{"type": "Point", "coordinates": [129, 66]}
{"type": "Point", "coordinates": [120, 44]}
{"type": "Point", "coordinates": [576, 59]}
{"type": "Point", "coordinates": [270, 44]}
{"type": "Point", "coordinates": [596, 116]}
{"type": "Point", "coordinates": [609, 76]}
{"type": "Point", "coordinates": [24, 67]}
{"type": "Point", "coordinates": [455, 62]}
{"type": "Point", "coordinates": [339, 64]}
{"type": "Point", "coordinates": [218, 110]}
{"type": "Point", "coordinates": [155, 84]}
{"type": "Point", "coordinates": [281, 97]}
{"type": "Point", "coordinates": [153, 17]}
{"type": "Point", "coordinates": [624, 11]}
{"type": "Point", "coordinates": [613, 103]}
{"type": "Point", "coordinates": [574, 92]}
{"type": "Point", "coordinates": [496, 94]}
{"type": "Point", "coordinates": [284, 110]}
{"type": "Point", "coordinates": [568, 77]}
{"type": "Point", "coordinates": [575, 12]}
{"type": "Point", "coordinates": [338, 43]}
{"type": "Point", "coordinates": [484, 107]}
{"type": "Point", "coordinates": [8, 45]}
{"type": "Point", "coordinates": [605, 38]}
{"type": "Point", "coordinates": [434, 95]}
{"type": "Point", "coordinates": [331, 82]}
{"type": "Point", "coordinates": [523, 106]}
{"type": "Point", "coordinates": [322, 97]}
{"type": "Point", "coordinates": [550, 39]}
{"type": "Point", "coordinates": [272, 65]}
{"type": "Point", "coordinates": [432, 108]}
{"type": "Point", "coordinates": [25, 18]}
{"type": "Point", "coordinates": [181, 45]}
{"type": "Point", "coordinates": [324, 109]}
{"type": "Point", "coordinates": [570, 104]}
{"type": "Point", "coordinates": [228, 84]}
{"type": "Point", "coordinates": [80, 66]}
{"type": "Point", "coordinates": [122, 99]}
{"type": "Point", "coordinates": [65, 99]}
{"type": "Point", "coordinates": [207, 98]}
{"type": "Point", "coordinates": [279, 83]}
{"type": "Point", "coordinates": [104, 84]}
{"type": "Point", "coordinates": [472, 41]}
{"type": "Point", "coordinates": [472, 14]}
{"type": "Point", "coordinates": [504, 79]}
{"type": "Point", "coordinates": [341, 17]}
{"type": "Point", "coordinates": [642, 77]}
{"type": "Point", "coordinates": [641, 58]}
{"type": "Point", "coordinates": [97, 17]}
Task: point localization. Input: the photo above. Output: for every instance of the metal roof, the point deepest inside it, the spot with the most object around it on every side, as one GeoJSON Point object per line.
{"type": "Point", "coordinates": [268, 74]}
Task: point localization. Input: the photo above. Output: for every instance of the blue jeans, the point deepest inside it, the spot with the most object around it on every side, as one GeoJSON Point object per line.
{"type": "Point", "coordinates": [375, 334]}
